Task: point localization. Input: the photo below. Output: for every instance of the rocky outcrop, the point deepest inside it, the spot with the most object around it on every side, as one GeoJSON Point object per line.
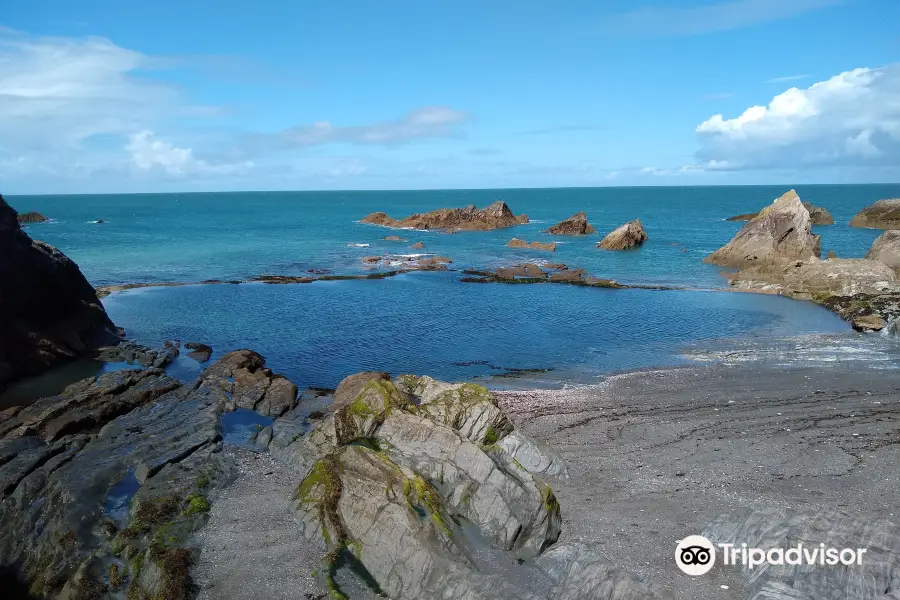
{"type": "Point", "coordinates": [804, 279]}
{"type": "Point", "coordinates": [884, 214]}
{"type": "Point", "coordinates": [865, 312]}
{"type": "Point", "coordinates": [781, 232]}
{"type": "Point", "coordinates": [136, 354]}
{"type": "Point", "coordinates": [102, 487]}
{"type": "Point", "coordinates": [517, 243]}
{"type": "Point", "coordinates": [243, 376]}
{"type": "Point", "coordinates": [886, 249]}
{"type": "Point", "coordinates": [577, 224]}
{"type": "Point", "coordinates": [624, 237]}
{"type": "Point", "coordinates": [49, 313]}
{"type": "Point", "coordinates": [417, 246]}
{"type": "Point", "coordinates": [817, 215]}
{"type": "Point", "coordinates": [32, 217]}
{"type": "Point", "coordinates": [470, 218]}
{"type": "Point", "coordinates": [423, 487]}
{"type": "Point", "coordinates": [532, 273]}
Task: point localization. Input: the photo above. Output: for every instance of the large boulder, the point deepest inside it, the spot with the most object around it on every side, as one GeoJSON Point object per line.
{"type": "Point", "coordinates": [629, 235]}
{"type": "Point", "coordinates": [577, 224]}
{"type": "Point", "coordinates": [886, 249]}
{"type": "Point", "coordinates": [49, 313]}
{"type": "Point", "coordinates": [470, 218]}
{"type": "Point", "coordinates": [884, 214]}
{"type": "Point", "coordinates": [781, 232]}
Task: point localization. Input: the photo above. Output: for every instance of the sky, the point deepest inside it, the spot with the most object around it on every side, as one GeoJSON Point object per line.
{"type": "Point", "coordinates": [110, 96]}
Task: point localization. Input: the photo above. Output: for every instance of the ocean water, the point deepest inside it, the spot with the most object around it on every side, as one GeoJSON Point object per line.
{"type": "Point", "coordinates": [431, 323]}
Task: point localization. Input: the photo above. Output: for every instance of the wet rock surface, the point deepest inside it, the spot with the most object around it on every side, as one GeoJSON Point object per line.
{"type": "Point", "coordinates": [577, 224]}
{"type": "Point", "coordinates": [781, 232]}
{"type": "Point", "coordinates": [470, 218]}
{"type": "Point", "coordinates": [884, 214]}
{"type": "Point", "coordinates": [624, 237]}
{"type": "Point", "coordinates": [49, 313]}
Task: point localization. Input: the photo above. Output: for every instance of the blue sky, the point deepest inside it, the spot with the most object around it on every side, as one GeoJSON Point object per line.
{"type": "Point", "coordinates": [163, 96]}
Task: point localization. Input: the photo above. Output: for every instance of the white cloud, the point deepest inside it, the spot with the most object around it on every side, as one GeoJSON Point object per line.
{"type": "Point", "coordinates": [429, 122]}
{"type": "Point", "coordinates": [709, 17]}
{"type": "Point", "coordinates": [787, 78]}
{"type": "Point", "coordinates": [852, 119]}
{"type": "Point", "coordinates": [149, 153]}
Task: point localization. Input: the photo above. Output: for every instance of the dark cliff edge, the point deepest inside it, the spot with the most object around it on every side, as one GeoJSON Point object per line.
{"type": "Point", "coordinates": [49, 313]}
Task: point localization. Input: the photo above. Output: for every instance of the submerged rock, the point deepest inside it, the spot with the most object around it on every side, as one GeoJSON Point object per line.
{"type": "Point", "coordinates": [199, 352]}
{"type": "Point", "coordinates": [470, 218]}
{"type": "Point", "coordinates": [517, 243]}
{"type": "Point", "coordinates": [629, 235]}
{"type": "Point", "coordinates": [886, 249]}
{"type": "Point", "coordinates": [417, 246]}
{"type": "Point", "coordinates": [781, 232]}
{"type": "Point", "coordinates": [884, 214]}
{"type": "Point", "coordinates": [577, 224]}
{"type": "Point", "coordinates": [32, 217]}
{"type": "Point", "coordinates": [49, 313]}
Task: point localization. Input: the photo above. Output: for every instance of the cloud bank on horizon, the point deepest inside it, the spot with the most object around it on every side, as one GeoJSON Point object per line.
{"type": "Point", "coordinates": [84, 113]}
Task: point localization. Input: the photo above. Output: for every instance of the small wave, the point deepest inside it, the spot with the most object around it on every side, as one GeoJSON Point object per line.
{"type": "Point", "coordinates": [358, 245]}
{"type": "Point", "coordinates": [412, 256]}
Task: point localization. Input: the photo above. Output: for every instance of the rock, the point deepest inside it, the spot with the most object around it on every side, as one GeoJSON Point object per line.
{"type": "Point", "coordinates": [136, 354]}
{"type": "Point", "coordinates": [280, 397]}
{"type": "Point", "coordinates": [351, 386]}
{"type": "Point", "coordinates": [817, 215]}
{"type": "Point", "coordinates": [866, 309]}
{"type": "Point", "coordinates": [417, 246]}
{"type": "Point", "coordinates": [470, 218]}
{"type": "Point", "coordinates": [319, 271]}
{"type": "Point", "coordinates": [199, 352]}
{"type": "Point", "coordinates": [528, 270]}
{"type": "Point", "coordinates": [434, 260]}
{"type": "Point", "coordinates": [629, 235]}
{"type": "Point", "coordinates": [577, 224]}
{"type": "Point", "coordinates": [868, 323]}
{"type": "Point", "coordinates": [517, 243]}
{"type": "Point", "coordinates": [831, 254]}
{"type": "Point", "coordinates": [568, 276]}
{"type": "Point", "coordinates": [394, 238]}
{"type": "Point", "coordinates": [103, 498]}
{"type": "Point", "coordinates": [886, 249]}
{"type": "Point", "coordinates": [884, 214]}
{"type": "Point", "coordinates": [31, 217]}
{"type": "Point", "coordinates": [522, 219]}
{"type": "Point", "coordinates": [781, 232]}
{"type": "Point", "coordinates": [247, 383]}
{"type": "Point", "coordinates": [369, 260]}
{"type": "Point", "coordinates": [836, 276]}
{"type": "Point", "coordinates": [555, 266]}
{"type": "Point", "coordinates": [49, 313]}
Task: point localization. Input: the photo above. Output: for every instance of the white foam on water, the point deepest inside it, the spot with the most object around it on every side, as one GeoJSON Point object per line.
{"type": "Point", "coordinates": [358, 245]}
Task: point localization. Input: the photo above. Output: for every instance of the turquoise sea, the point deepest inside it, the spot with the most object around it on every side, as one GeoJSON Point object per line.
{"type": "Point", "coordinates": [431, 323]}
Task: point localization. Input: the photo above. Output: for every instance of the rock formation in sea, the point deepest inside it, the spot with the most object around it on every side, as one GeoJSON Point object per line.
{"type": "Point", "coordinates": [31, 217]}
{"type": "Point", "coordinates": [804, 279]}
{"type": "Point", "coordinates": [546, 246]}
{"type": "Point", "coordinates": [884, 214]}
{"type": "Point", "coordinates": [781, 232]}
{"type": "Point", "coordinates": [629, 235]}
{"type": "Point", "coordinates": [817, 215]}
{"type": "Point", "coordinates": [577, 224]}
{"type": "Point", "coordinates": [417, 246]}
{"type": "Point", "coordinates": [470, 218]}
{"type": "Point", "coordinates": [532, 273]}
{"type": "Point", "coordinates": [886, 249]}
{"type": "Point", "coordinates": [199, 352]}
{"type": "Point", "coordinates": [49, 313]}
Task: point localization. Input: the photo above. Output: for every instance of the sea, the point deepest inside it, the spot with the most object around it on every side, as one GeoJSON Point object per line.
{"type": "Point", "coordinates": [431, 323]}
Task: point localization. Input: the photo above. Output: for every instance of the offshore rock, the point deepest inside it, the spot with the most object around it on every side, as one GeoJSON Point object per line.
{"type": "Point", "coordinates": [624, 237]}
{"type": "Point", "coordinates": [577, 224]}
{"type": "Point", "coordinates": [817, 215]}
{"type": "Point", "coordinates": [470, 218]}
{"type": "Point", "coordinates": [517, 243]}
{"type": "Point", "coordinates": [884, 214]}
{"type": "Point", "coordinates": [781, 232]}
{"type": "Point", "coordinates": [32, 217]}
{"type": "Point", "coordinates": [49, 313]}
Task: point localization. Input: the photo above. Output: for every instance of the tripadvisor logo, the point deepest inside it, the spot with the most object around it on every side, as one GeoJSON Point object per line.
{"type": "Point", "coordinates": [696, 555]}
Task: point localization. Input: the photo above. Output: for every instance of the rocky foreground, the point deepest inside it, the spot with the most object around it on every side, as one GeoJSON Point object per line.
{"type": "Point", "coordinates": [424, 489]}
{"type": "Point", "coordinates": [471, 218]}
